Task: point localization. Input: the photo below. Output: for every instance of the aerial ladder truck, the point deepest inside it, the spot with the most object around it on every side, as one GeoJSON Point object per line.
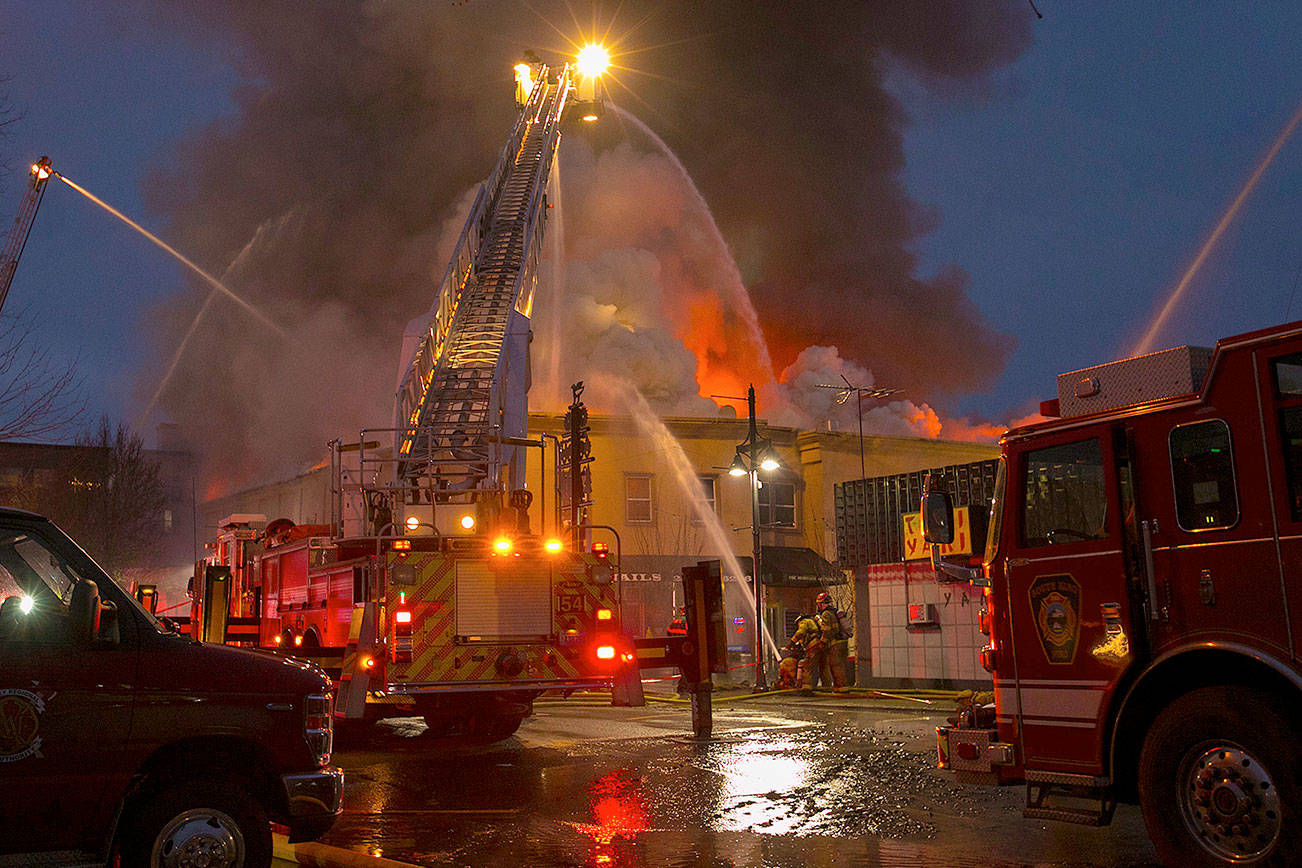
{"type": "Point", "coordinates": [16, 240]}
{"type": "Point", "coordinates": [429, 593]}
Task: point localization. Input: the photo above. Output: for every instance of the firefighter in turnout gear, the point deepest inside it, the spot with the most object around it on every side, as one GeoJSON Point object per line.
{"type": "Point", "coordinates": [809, 636]}
{"type": "Point", "coordinates": [793, 654]}
{"type": "Point", "coordinates": [836, 643]}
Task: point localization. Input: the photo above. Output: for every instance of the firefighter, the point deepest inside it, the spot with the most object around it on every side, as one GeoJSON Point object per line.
{"type": "Point", "coordinates": [836, 641]}
{"type": "Point", "coordinates": [789, 669]}
{"type": "Point", "coordinates": [809, 637]}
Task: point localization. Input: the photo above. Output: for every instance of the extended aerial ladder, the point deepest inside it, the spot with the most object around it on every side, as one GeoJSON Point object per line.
{"type": "Point", "coordinates": [461, 406]}
{"type": "Point", "coordinates": [17, 238]}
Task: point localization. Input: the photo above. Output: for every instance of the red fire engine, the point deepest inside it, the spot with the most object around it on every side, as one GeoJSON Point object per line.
{"type": "Point", "coordinates": [428, 593]}
{"type": "Point", "coordinates": [1143, 597]}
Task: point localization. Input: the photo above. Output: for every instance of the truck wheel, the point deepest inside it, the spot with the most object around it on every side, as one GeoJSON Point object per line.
{"type": "Point", "coordinates": [494, 727]}
{"type": "Point", "coordinates": [1218, 781]}
{"type": "Point", "coordinates": [211, 823]}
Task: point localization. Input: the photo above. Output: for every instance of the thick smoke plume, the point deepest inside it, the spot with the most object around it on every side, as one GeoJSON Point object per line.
{"type": "Point", "coordinates": [336, 187]}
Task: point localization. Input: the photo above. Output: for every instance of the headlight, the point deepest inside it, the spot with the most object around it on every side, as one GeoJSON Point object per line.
{"type": "Point", "coordinates": [319, 725]}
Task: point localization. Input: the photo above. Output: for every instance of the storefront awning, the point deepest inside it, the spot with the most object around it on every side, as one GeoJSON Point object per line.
{"type": "Point", "coordinates": [793, 567]}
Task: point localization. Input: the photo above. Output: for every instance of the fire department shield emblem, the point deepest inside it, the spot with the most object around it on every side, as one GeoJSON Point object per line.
{"type": "Point", "coordinates": [1055, 604]}
{"type": "Point", "coordinates": [20, 724]}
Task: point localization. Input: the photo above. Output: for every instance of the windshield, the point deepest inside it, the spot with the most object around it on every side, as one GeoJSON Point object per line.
{"type": "Point", "coordinates": [996, 512]}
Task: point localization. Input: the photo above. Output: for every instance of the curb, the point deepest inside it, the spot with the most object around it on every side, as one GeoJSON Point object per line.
{"type": "Point", "coordinates": [325, 856]}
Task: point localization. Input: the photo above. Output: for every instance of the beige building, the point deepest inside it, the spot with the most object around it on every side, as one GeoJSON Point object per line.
{"type": "Point", "coordinates": [663, 487]}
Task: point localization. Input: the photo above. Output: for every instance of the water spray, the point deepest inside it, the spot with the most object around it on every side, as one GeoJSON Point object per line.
{"type": "Point", "coordinates": [214, 282]}
{"type": "Point", "coordinates": [1146, 344]}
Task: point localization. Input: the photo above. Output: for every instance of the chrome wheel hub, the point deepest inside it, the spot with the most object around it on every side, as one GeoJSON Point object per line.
{"type": "Point", "coordinates": [202, 838]}
{"type": "Point", "coordinates": [1228, 801]}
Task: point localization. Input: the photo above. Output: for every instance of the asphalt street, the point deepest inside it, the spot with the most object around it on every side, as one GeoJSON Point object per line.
{"type": "Point", "coordinates": [784, 781]}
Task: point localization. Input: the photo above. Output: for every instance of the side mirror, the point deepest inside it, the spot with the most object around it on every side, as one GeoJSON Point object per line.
{"type": "Point", "coordinates": [83, 612]}
{"type": "Point", "coordinates": [108, 633]}
{"type": "Point", "coordinates": [938, 518]}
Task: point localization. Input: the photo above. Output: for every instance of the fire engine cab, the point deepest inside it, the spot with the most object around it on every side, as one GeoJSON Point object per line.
{"type": "Point", "coordinates": [1142, 585]}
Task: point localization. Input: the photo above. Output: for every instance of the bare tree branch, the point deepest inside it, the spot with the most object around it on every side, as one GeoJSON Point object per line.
{"type": "Point", "coordinates": [38, 397]}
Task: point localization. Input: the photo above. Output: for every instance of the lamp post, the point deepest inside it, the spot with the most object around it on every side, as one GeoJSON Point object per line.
{"type": "Point", "coordinates": [754, 455]}
{"type": "Point", "coordinates": [862, 392]}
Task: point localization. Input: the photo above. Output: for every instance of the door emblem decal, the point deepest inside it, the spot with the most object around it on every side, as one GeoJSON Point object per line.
{"type": "Point", "coordinates": [1055, 605]}
{"type": "Point", "coordinates": [20, 724]}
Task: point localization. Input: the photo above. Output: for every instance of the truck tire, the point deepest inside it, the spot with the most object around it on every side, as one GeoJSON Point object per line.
{"type": "Point", "coordinates": [1218, 781]}
{"type": "Point", "coordinates": [200, 822]}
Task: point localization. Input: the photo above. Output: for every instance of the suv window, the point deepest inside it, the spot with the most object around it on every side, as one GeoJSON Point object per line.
{"type": "Point", "coordinates": [1065, 498]}
{"type": "Point", "coordinates": [1202, 470]}
{"type": "Point", "coordinates": [35, 585]}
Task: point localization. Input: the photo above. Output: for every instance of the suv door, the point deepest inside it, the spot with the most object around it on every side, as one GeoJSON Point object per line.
{"type": "Point", "coordinates": [65, 705]}
{"type": "Point", "coordinates": [1069, 596]}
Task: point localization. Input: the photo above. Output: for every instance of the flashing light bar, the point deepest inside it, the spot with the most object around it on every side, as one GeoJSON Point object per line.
{"type": "Point", "coordinates": [401, 545]}
{"type": "Point", "coordinates": [601, 549]}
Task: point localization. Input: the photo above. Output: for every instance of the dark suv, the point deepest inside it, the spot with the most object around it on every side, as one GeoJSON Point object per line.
{"type": "Point", "coordinates": [121, 738]}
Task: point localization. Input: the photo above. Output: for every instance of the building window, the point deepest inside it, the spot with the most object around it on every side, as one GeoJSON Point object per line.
{"type": "Point", "coordinates": [167, 520]}
{"type": "Point", "coordinates": [777, 504]}
{"type": "Point", "coordinates": [637, 498]}
{"type": "Point", "coordinates": [1202, 469]}
{"type": "Point", "coordinates": [708, 495]}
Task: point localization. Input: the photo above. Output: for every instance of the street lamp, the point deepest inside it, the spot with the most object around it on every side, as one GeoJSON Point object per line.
{"type": "Point", "coordinates": [753, 455]}
{"type": "Point", "coordinates": [845, 392]}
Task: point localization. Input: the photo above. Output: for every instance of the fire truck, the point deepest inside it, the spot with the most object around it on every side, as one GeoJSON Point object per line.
{"type": "Point", "coordinates": [1142, 584]}
{"type": "Point", "coordinates": [430, 592]}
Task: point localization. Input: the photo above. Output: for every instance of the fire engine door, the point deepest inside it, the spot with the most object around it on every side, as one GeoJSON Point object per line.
{"type": "Point", "coordinates": [1279, 372]}
{"type": "Point", "coordinates": [1067, 585]}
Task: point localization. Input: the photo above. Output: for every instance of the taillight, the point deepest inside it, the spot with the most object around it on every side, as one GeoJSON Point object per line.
{"type": "Point", "coordinates": [400, 647]}
{"type": "Point", "coordinates": [605, 652]}
{"type": "Point", "coordinates": [318, 725]}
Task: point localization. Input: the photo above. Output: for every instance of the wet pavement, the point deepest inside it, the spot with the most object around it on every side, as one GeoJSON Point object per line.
{"type": "Point", "coordinates": [784, 781]}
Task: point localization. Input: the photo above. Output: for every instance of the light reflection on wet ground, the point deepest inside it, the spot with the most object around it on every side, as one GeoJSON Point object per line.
{"type": "Point", "coordinates": [767, 791]}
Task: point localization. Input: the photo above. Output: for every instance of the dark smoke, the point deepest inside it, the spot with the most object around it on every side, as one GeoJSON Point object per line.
{"type": "Point", "coordinates": [335, 189]}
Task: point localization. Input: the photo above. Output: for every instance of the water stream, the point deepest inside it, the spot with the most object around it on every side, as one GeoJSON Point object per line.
{"type": "Point", "coordinates": [214, 282]}
{"type": "Point", "coordinates": [734, 289]}
{"type": "Point", "coordinates": [688, 481]}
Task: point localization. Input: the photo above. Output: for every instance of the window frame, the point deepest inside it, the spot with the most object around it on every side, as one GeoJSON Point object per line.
{"type": "Point", "coordinates": [1234, 477]}
{"type": "Point", "coordinates": [766, 510]}
{"type": "Point", "coordinates": [712, 500]}
{"type": "Point", "coordinates": [649, 500]}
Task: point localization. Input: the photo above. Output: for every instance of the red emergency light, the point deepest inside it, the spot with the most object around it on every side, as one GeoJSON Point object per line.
{"type": "Point", "coordinates": [601, 549]}
{"type": "Point", "coordinates": [605, 615]}
{"type": "Point", "coordinates": [401, 545]}
{"type": "Point", "coordinates": [606, 652]}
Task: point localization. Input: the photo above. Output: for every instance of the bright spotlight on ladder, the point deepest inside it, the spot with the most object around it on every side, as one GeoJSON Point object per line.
{"type": "Point", "coordinates": [593, 60]}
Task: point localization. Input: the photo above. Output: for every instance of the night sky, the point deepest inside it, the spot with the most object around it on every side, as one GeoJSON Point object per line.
{"type": "Point", "coordinates": [962, 199]}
